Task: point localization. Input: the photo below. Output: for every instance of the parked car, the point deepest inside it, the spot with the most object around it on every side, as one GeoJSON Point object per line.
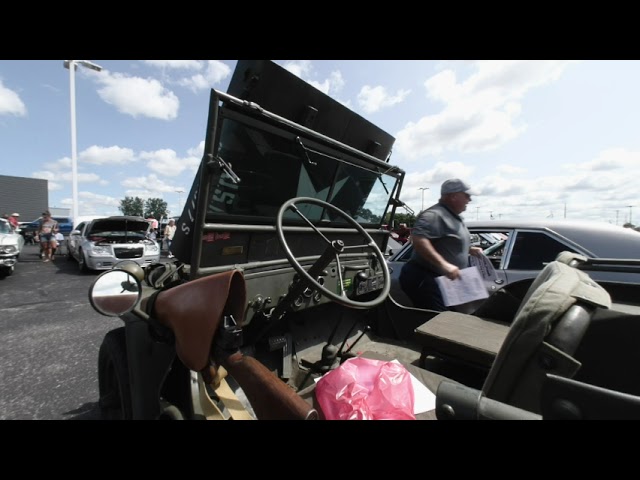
{"type": "Point", "coordinates": [29, 229]}
{"type": "Point", "coordinates": [519, 250]}
{"type": "Point", "coordinates": [11, 244]}
{"type": "Point", "coordinates": [101, 243]}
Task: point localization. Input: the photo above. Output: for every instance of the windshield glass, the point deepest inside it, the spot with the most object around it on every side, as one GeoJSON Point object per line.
{"type": "Point", "coordinates": [275, 165]}
{"type": "Point", "coordinates": [4, 227]}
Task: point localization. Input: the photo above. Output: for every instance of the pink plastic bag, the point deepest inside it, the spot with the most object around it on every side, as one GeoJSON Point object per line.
{"type": "Point", "coordinates": [365, 389]}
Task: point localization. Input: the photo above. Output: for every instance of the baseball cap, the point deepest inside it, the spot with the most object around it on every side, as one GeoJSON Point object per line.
{"type": "Point", "coordinates": [15, 214]}
{"type": "Point", "coordinates": [454, 185]}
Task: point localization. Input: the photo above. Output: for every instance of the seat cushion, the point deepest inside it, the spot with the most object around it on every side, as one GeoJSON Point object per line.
{"type": "Point", "coordinates": [462, 337]}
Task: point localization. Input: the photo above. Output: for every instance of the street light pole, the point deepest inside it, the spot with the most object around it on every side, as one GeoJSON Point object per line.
{"type": "Point", "coordinates": [180, 192]}
{"type": "Point", "coordinates": [72, 65]}
{"type": "Point", "coordinates": [423, 189]}
{"type": "Point", "coordinates": [630, 211]}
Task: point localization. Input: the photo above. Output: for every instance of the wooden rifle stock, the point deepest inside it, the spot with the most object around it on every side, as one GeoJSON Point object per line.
{"type": "Point", "coordinates": [269, 396]}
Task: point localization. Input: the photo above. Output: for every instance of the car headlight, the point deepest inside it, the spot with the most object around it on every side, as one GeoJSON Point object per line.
{"type": "Point", "coordinates": [151, 249]}
{"type": "Point", "coordinates": [9, 249]}
{"type": "Point", "coordinates": [101, 250]}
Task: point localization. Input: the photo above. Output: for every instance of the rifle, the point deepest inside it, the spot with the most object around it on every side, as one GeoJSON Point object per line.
{"type": "Point", "coordinates": [201, 313]}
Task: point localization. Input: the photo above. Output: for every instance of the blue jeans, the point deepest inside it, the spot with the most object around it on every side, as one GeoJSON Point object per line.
{"type": "Point", "coordinates": [421, 287]}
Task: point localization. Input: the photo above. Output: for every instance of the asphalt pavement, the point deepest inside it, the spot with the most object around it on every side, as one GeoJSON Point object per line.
{"type": "Point", "coordinates": [50, 340]}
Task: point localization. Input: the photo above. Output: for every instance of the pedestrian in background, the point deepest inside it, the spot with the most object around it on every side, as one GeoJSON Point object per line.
{"type": "Point", "coordinates": [169, 232]}
{"type": "Point", "coordinates": [14, 221]}
{"type": "Point", "coordinates": [46, 231]}
{"type": "Point", "coordinates": [58, 238]}
{"type": "Point", "coordinates": [152, 221]}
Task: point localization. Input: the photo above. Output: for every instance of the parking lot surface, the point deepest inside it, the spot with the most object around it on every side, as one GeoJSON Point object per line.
{"type": "Point", "coordinates": [50, 340]}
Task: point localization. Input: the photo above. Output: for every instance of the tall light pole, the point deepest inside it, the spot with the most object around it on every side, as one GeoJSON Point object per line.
{"type": "Point", "coordinates": [423, 189]}
{"type": "Point", "coordinates": [630, 211]}
{"type": "Point", "coordinates": [180, 192]}
{"type": "Point", "coordinates": [72, 65]}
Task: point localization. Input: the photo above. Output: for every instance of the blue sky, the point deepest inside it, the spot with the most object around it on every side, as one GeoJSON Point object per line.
{"type": "Point", "coordinates": [537, 139]}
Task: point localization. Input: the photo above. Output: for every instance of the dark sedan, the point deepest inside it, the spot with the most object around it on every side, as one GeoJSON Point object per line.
{"type": "Point", "coordinates": [520, 249]}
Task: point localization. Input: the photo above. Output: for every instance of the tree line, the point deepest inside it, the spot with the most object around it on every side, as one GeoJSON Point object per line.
{"type": "Point", "coordinates": [137, 207]}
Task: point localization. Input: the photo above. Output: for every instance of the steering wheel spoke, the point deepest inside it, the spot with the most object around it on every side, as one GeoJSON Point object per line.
{"type": "Point", "coordinates": [306, 220]}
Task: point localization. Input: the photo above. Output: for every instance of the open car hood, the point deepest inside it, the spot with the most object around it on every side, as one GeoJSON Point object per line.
{"type": "Point", "coordinates": [119, 225]}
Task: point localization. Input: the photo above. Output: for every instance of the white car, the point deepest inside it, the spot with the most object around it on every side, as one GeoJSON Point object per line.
{"type": "Point", "coordinates": [101, 243]}
{"type": "Point", "coordinates": [11, 244]}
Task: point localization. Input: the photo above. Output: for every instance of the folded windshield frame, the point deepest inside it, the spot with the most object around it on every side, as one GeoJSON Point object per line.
{"type": "Point", "coordinates": [273, 160]}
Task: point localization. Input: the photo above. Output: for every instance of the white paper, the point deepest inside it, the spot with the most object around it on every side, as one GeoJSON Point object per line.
{"type": "Point", "coordinates": [487, 271]}
{"type": "Point", "coordinates": [467, 288]}
{"type": "Point", "coordinates": [424, 399]}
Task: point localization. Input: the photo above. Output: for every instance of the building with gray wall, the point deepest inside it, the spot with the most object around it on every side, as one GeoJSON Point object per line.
{"type": "Point", "coordinates": [27, 196]}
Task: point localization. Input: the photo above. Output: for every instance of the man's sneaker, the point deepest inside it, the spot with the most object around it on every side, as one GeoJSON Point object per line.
{"type": "Point", "coordinates": [170, 256]}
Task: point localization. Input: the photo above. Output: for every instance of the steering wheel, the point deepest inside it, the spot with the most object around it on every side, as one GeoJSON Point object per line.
{"type": "Point", "coordinates": [333, 250]}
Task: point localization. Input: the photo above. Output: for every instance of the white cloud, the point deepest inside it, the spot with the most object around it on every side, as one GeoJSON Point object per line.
{"type": "Point", "coordinates": [431, 179]}
{"type": "Point", "coordinates": [299, 68]}
{"type": "Point", "coordinates": [166, 162]}
{"type": "Point", "coordinates": [95, 204]}
{"type": "Point", "coordinates": [10, 102]}
{"type": "Point", "coordinates": [137, 96]}
{"type": "Point", "coordinates": [148, 186]}
{"type": "Point", "coordinates": [197, 151]}
{"type": "Point", "coordinates": [175, 64]}
{"type": "Point", "coordinates": [114, 155]}
{"type": "Point", "coordinates": [215, 72]}
{"type": "Point", "coordinates": [67, 177]}
{"type": "Point", "coordinates": [610, 159]}
{"type": "Point", "coordinates": [509, 169]}
{"type": "Point", "coordinates": [57, 165]}
{"type": "Point", "coordinates": [479, 113]}
{"type": "Point", "coordinates": [330, 86]}
{"type": "Point", "coordinates": [372, 99]}
{"type": "Point", "coordinates": [53, 186]}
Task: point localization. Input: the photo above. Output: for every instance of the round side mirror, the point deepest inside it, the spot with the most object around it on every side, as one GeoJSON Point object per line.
{"type": "Point", "coordinates": [115, 292]}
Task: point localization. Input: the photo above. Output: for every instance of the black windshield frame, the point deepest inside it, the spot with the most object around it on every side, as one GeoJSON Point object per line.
{"type": "Point", "coordinates": [276, 162]}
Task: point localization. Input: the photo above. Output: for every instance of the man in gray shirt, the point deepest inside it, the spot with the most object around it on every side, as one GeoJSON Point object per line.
{"type": "Point", "coordinates": [441, 246]}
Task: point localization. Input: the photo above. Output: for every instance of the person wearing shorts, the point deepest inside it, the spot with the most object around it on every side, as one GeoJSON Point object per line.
{"type": "Point", "coordinates": [46, 233]}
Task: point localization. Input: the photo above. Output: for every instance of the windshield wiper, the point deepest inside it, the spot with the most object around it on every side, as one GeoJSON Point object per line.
{"type": "Point", "coordinates": [342, 160]}
{"type": "Point", "coordinates": [226, 168]}
{"type": "Point", "coordinates": [304, 150]}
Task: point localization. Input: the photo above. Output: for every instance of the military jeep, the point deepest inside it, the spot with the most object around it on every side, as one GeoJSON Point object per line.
{"type": "Point", "coordinates": [280, 277]}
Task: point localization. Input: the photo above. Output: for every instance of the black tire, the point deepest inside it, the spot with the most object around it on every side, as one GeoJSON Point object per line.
{"type": "Point", "coordinates": [6, 271]}
{"type": "Point", "coordinates": [113, 377]}
{"type": "Point", "coordinates": [82, 264]}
